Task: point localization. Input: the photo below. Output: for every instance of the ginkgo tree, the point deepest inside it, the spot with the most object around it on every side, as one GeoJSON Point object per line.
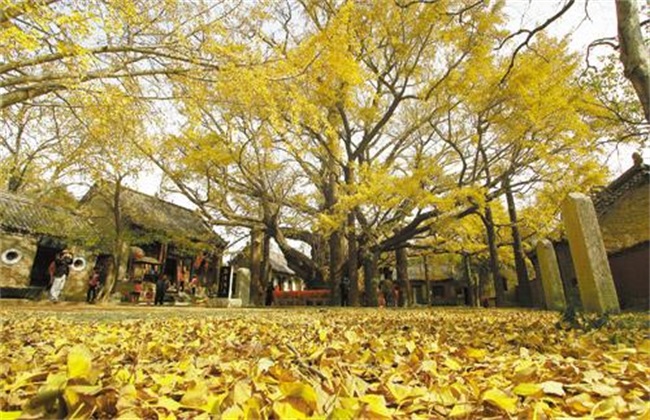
{"type": "Point", "coordinates": [358, 128]}
{"type": "Point", "coordinates": [53, 47]}
{"type": "Point", "coordinates": [388, 127]}
{"type": "Point", "coordinates": [110, 160]}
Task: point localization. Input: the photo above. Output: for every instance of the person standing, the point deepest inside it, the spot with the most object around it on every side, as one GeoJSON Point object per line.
{"type": "Point", "coordinates": [60, 268]}
{"type": "Point", "coordinates": [93, 284]}
{"type": "Point", "coordinates": [161, 287]}
{"type": "Point", "coordinates": [194, 284]}
{"type": "Point", "coordinates": [396, 293]}
{"type": "Point", "coordinates": [345, 291]}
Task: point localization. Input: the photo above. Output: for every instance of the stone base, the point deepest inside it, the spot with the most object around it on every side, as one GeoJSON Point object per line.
{"type": "Point", "coordinates": [224, 303]}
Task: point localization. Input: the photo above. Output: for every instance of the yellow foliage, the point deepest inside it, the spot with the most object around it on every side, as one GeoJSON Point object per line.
{"type": "Point", "coordinates": [370, 364]}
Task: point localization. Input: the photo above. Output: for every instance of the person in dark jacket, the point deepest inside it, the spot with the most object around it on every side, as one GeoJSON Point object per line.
{"type": "Point", "coordinates": [161, 287]}
{"type": "Point", "coordinates": [345, 291]}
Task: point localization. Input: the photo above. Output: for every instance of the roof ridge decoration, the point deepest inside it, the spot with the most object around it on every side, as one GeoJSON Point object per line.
{"type": "Point", "coordinates": [637, 175]}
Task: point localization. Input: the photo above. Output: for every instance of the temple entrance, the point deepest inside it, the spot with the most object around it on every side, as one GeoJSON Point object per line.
{"type": "Point", "coordinates": [45, 253]}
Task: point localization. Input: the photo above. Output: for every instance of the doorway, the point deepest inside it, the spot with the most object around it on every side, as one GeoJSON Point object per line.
{"type": "Point", "coordinates": [40, 275]}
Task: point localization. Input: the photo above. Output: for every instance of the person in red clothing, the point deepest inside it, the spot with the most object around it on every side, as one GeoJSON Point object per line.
{"type": "Point", "coordinates": [93, 284]}
{"type": "Point", "coordinates": [137, 291]}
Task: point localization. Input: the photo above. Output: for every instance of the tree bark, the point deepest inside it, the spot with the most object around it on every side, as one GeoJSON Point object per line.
{"type": "Point", "coordinates": [335, 240]}
{"type": "Point", "coordinates": [499, 290]}
{"type": "Point", "coordinates": [335, 266]}
{"type": "Point", "coordinates": [353, 249]}
{"type": "Point", "coordinates": [427, 285]}
{"type": "Point", "coordinates": [266, 270]}
{"type": "Point", "coordinates": [353, 261]}
{"type": "Point", "coordinates": [471, 287]}
{"type": "Point", "coordinates": [257, 286]}
{"type": "Point", "coordinates": [405, 293]}
{"type": "Point", "coordinates": [369, 273]}
{"type": "Point", "coordinates": [118, 243]}
{"type": "Point", "coordinates": [523, 280]}
{"type": "Point", "coordinates": [483, 279]}
{"type": "Point", "coordinates": [634, 52]}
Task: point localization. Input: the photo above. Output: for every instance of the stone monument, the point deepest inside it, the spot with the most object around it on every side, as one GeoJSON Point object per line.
{"type": "Point", "coordinates": [244, 285]}
{"type": "Point", "coordinates": [595, 282]}
{"type": "Point", "coordinates": [551, 277]}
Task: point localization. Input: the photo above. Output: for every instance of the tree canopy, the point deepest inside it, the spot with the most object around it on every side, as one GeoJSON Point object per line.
{"type": "Point", "coordinates": [358, 128]}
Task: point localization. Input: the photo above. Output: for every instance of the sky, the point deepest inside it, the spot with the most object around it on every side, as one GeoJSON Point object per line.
{"type": "Point", "coordinates": [586, 21]}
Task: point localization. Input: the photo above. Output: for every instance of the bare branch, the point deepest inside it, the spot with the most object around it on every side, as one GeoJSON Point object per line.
{"type": "Point", "coordinates": [530, 33]}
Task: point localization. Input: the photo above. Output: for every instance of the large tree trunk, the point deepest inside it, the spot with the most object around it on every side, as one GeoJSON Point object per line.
{"type": "Point", "coordinates": [353, 261]}
{"type": "Point", "coordinates": [499, 288]}
{"type": "Point", "coordinates": [483, 280]}
{"type": "Point", "coordinates": [118, 243]}
{"type": "Point", "coordinates": [369, 273]}
{"type": "Point", "coordinates": [266, 272]}
{"type": "Point", "coordinates": [634, 52]}
{"type": "Point", "coordinates": [353, 249]}
{"type": "Point", "coordinates": [405, 293]}
{"type": "Point", "coordinates": [471, 286]}
{"type": "Point", "coordinates": [256, 253]}
{"type": "Point", "coordinates": [335, 240]}
{"type": "Point", "coordinates": [523, 280]}
{"type": "Point", "coordinates": [335, 266]}
{"type": "Point", "coordinates": [427, 279]}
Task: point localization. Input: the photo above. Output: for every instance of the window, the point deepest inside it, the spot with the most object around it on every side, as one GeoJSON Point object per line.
{"type": "Point", "coordinates": [438, 291]}
{"type": "Point", "coordinates": [11, 256]}
{"type": "Point", "coordinates": [78, 263]}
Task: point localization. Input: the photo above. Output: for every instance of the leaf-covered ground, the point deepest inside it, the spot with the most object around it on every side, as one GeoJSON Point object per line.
{"type": "Point", "coordinates": [89, 362]}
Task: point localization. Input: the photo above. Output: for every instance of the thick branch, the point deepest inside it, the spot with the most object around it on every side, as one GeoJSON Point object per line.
{"type": "Point", "coordinates": [634, 53]}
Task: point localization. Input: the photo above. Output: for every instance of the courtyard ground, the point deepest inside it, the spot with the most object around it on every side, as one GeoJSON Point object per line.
{"type": "Point", "coordinates": [79, 361]}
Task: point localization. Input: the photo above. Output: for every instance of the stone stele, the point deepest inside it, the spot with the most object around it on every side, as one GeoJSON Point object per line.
{"type": "Point", "coordinates": [244, 285]}
{"type": "Point", "coordinates": [595, 282]}
{"type": "Point", "coordinates": [551, 278]}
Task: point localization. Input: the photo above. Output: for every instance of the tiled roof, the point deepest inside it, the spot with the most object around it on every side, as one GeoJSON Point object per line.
{"type": "Point", "coordinates": [153, 214]}
{"type": "Point", "coordinates": [21, 214]}
{"type": "Point", "coordinates": [638, 175]}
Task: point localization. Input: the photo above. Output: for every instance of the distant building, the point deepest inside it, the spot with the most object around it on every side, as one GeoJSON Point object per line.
{"type": "Point", "coordinates": [163, 238]}
{"type": "Point", "coordinates": [623, 210]}
{"type": "Point", "coordinates": [436, 281]}
{"type": "Point", "coordinates": [31, 234]}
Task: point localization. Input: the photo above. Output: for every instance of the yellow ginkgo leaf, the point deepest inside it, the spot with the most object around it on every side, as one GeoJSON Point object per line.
{"type": "Point", "coordinates": [553, 388]}
{"type": "Point", "coordinates": [501, 400]}
{"type": "Point", "coordinates": [79, 362]}
{"type": "Point", "coordinates": [234, 412]}
{"type": "Point", "coordinates": [285, 410]}
{"type": "Point", "coordinates": [605, 408]}
{"type": "Point", "coordinates": [605, 390]}
{"type": "Point", "coordinates": [196, 396]}
{"type": "Point", "coordinates": [304, 392]}
{"type": "Point", "coordinates": [527, 389]}
{"type": "Point", "coordinates": [581, 403]}
{"type": "Point", "coordinates": [452, 364]}
{"type": "Point", "coordinates": [376, 404]}
{"type": "Point", "coordinates": [168, 403]}
{"type": "Point", "coordinates": [478, 354]}
{"type": "Point", "coordinates": [341, 413]}
{"type": "Point", "coordinates": [644, 346]}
